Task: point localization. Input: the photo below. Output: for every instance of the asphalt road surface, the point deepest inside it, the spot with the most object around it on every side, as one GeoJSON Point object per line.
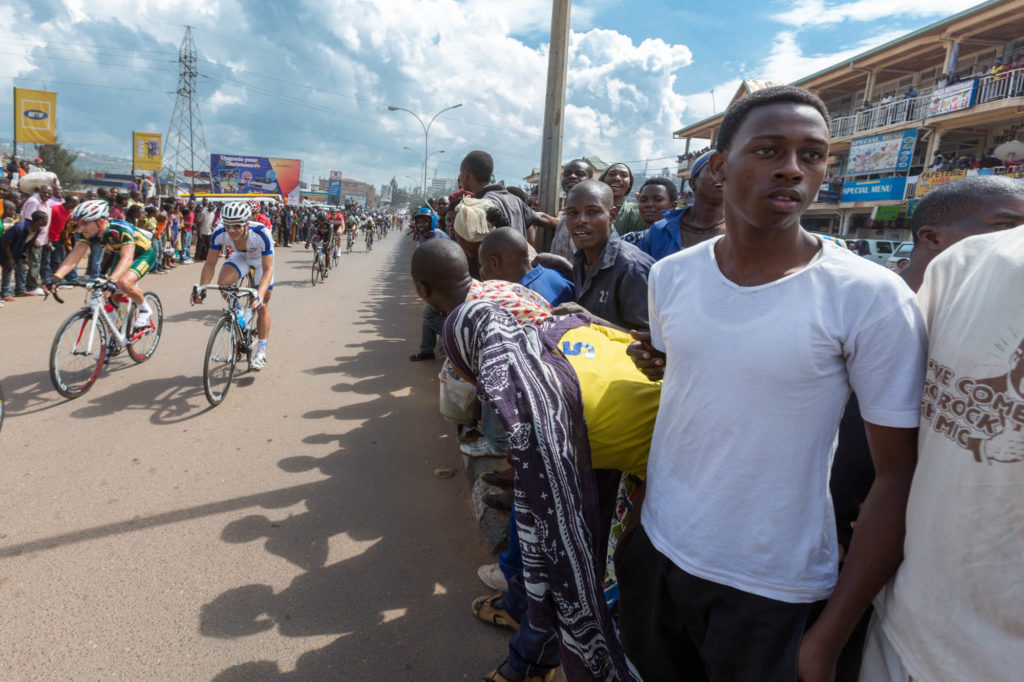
{"type": "Point", "coordinates": [295, 532]}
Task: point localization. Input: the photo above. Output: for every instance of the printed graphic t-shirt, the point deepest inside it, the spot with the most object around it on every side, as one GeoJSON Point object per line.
{"type": "Point", "coordinates": [955, 610]}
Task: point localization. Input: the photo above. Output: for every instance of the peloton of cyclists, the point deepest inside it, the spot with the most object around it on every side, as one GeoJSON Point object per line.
{"type": "Point", "coordinates": [253, 248]}
{"type": "Point", "coordinates": [133, 246]}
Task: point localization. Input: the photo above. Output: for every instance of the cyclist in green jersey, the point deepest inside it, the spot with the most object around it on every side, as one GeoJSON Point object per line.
{"type": "Point", "coordinates": [132, 244]}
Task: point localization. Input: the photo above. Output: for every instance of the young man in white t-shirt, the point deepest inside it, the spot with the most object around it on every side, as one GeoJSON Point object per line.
{"type": "Point", "coordinates": [765, 332]}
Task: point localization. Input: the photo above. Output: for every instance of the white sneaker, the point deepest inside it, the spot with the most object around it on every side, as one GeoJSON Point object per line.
{"type": "Point", "coordinates": [479, 448]}
{"type": "Point", "coordinates": [259, 361]}
{"type": "Point", "coordinates": [143, 318]}
{"type": "Point", "coordinates": [38, 291]}
{"type": "Point", "coordinates": [491, 575]}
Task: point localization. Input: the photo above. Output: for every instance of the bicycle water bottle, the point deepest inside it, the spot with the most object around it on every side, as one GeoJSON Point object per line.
{"type": "Point", "coordinates": [122, 308]}
{"type": "Point", "coordinates": [239, 316]}
{"type": "Point", "coordinates": [111, 311]}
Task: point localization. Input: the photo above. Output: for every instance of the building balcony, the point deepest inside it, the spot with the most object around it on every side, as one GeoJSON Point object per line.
{"type": "Point", "coordinates": [988, 89]}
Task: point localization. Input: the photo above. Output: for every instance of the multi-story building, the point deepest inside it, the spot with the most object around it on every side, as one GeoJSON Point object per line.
{"type": "Point", "coordinates": [359, 193]}
{"type": "Point", "coordinates": [936, 104]}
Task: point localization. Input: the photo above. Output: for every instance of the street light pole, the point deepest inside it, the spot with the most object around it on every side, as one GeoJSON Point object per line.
{"type": "Point", "coordinates": [425, 169]}
{"type": "Point", "coordinates": [426, 137]}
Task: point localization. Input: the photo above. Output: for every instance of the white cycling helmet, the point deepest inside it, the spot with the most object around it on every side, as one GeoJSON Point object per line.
{"type": "Point", "coordinates": [90, 210]}
{"type": "Point", "coordinates": [237, 212]}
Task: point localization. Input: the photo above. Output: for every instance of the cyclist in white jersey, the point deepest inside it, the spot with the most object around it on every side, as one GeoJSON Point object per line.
{"type": "Point", "coordinates": [253, 248]}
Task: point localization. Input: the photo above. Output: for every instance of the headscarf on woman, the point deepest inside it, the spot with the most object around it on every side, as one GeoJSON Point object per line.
{"type": "Point", "coordinates": [537, 397]}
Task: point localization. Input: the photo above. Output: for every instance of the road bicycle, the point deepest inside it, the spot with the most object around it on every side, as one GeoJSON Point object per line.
{"type": "Point", "coordinates": [350, 238]}
{"type": "Point", "coordinates": [369, 240]}
{"type": "Point", "coordinates": [320, 261]}
{"type": "Point", "coordinates": [335, 250]}
{"type": "Point", "coordinates": [100, 330]}
{"type": "Point", "coordinates": [232, 338]}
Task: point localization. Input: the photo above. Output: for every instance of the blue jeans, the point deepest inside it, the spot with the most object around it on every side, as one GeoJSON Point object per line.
{"type": "Point", "coordinates": [433, 323]}
{"type": "Point", "coordinates": [158, 246]}
{"type": "Point", "coordinates": [19, 270]}
{"type": "Point", "coordinates": [92, 270]}
{"type": "Point", "coordinates": [491, 428]}
{"type": "Point", "coordinates": [186, 245]}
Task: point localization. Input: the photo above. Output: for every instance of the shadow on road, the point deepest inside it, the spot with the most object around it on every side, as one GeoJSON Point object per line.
{"type": "Point", "coordinates": [380, 538]}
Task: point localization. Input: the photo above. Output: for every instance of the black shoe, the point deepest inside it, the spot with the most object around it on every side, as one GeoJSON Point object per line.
{"type": "Point", "coordinates": [501, 501]}
{"type": "Point", "coordinates": [422, 356]}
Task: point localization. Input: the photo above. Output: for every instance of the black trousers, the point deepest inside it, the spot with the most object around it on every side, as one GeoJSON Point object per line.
{"type": "Point", "coordinates": [676, 626]}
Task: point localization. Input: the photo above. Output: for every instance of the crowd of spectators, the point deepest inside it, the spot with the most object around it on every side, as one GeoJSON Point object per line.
{"type": "Point", "coordinates": [682, 516]}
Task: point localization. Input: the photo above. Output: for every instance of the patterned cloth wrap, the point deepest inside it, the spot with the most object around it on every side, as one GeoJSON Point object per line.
{"type": "Point", "coordinates": [537, 397]}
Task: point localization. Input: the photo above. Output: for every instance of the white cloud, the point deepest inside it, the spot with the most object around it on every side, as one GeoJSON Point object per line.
{"type": "Point", "coordinates": [787, 62]}
{"type": "Point", "coordinates": [822, 12]}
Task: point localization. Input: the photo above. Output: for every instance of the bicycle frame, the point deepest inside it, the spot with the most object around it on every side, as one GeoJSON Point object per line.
{"type": "Point", "coordinates": [96, 297]}
{"type": "Point", "coordinates": [233, 295]}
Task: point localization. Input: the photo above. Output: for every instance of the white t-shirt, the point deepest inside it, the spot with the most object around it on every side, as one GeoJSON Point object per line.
{"type": "Point", "coordinates": [755, 385]}
{"type": "Point", "coordinates": [955, 609]}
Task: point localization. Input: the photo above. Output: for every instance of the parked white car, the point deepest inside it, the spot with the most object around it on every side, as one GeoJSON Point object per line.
{"type": "Point", "coordinates": [877, 250]}
{"type": "Point", "coordinates": [900, 257]}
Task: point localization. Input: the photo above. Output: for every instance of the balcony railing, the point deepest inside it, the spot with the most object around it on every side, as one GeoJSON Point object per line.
{"type": "Point", "coordinates": [990, 89]}
{"type": "Point", "coordinates": [1000, 86]}
{"type": "Point", "coordinates": [880, 116]}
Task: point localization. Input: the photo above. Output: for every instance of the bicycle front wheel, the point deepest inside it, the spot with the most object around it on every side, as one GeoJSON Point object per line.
{"type": "Point", "coordinates": [316, 268]}
{"type": "Point", "coordinates": [143, 342]}
{"type": "Point", "coordinates": [219, 364]}
{"type": "Point", "coordinates": [76, 355]}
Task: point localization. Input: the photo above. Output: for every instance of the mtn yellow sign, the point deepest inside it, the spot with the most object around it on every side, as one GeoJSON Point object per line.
{"type": "Point", "coordinates": [35, 116]}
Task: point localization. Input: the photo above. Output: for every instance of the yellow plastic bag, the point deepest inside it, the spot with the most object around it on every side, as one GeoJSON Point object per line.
{"type": "Point", "coordinates": [619, 403]}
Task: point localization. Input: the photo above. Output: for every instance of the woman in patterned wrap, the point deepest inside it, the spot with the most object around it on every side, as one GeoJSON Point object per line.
{"type": "Point", "coordinates": [537, 397]}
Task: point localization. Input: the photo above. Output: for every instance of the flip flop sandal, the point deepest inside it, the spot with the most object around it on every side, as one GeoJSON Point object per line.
{"type": "Point", "coordinates": [489, 610]}
{"type": "Point", "coordinates": [506, 673]}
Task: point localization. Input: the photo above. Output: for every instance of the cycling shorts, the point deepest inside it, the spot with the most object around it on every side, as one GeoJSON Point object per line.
{"type": "Point", "coordinates": [142, 264]}
{"type": "Point", "coordinates": [241, 264]}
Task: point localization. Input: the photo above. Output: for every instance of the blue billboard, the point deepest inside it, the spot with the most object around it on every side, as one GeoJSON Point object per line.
{"type": "Point", "coordinates": [882, 189]}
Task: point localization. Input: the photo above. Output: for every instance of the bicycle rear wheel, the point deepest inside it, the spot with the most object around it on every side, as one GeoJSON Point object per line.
{"type": "Point", "coordinates": [219, 363]}
{"type": "Point", "coordinates": [142, 344]}
{"type": "Point", "coordinates": [76, 355]}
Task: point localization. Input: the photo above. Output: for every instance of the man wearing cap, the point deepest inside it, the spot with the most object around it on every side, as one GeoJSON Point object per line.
{"type": "Point", "coordinates": [685, 227]}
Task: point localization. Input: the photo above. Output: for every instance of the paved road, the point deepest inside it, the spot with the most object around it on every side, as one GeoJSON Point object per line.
{"type": "Point", "coordinates": [295, 532]}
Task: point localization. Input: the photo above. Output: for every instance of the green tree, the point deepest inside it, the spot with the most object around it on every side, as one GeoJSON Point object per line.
{"type": "Point", "coordinates": [57, 159]}
{"type": "Point", "coordinates": [399, 197]}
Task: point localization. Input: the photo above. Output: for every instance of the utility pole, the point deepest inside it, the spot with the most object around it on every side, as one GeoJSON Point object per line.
{"type": "Point", "coordinates": [554, 111]}
{"type": "Point", "coordinates": [186, 143]}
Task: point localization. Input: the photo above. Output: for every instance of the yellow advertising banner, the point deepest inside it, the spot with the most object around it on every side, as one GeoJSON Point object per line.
{"type": "Point", "coordinates": [929, 181]}
{"type": "Point", "coordinates": [147, 151]}
{"type": "Point", "coordinates": [35, 116]}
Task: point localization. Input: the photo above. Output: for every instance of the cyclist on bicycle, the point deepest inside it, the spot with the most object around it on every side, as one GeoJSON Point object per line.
{"type": "Point", "coordinates": [368, 232]}
{"type": "Point", "coordinates": [253, 248]}
{"type": "Point", "coordinates": [133, 245]}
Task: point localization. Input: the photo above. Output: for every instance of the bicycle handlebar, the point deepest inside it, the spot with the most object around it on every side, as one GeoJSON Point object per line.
{"type": "Point", "coordinates": [91, 284]}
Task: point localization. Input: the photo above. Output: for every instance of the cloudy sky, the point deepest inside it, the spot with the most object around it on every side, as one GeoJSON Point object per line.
{"type": "Point", "coordinates": [312, 80]}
